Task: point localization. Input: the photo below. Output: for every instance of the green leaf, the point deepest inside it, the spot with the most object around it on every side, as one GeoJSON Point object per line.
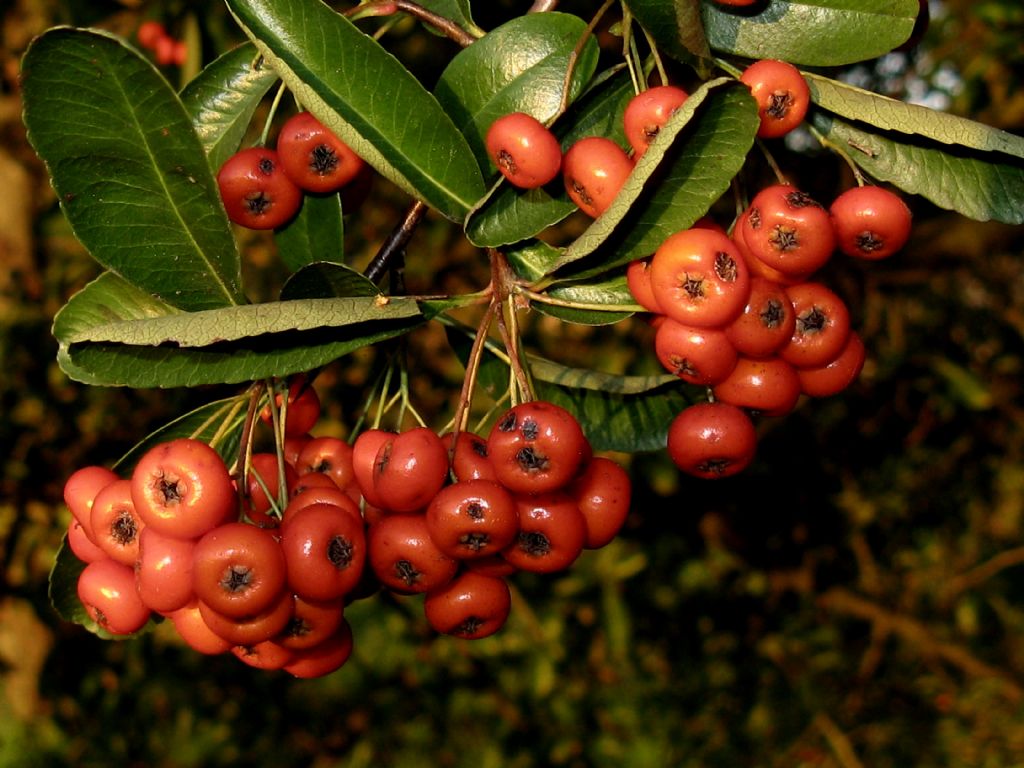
{"type": "Point", "coordinates": [265, 340]}
{"type": "Point", "coordinates": [613, 292]}
{"type": "Point", "coordinates": [221, 419]}
{"type": "Point", "coordinates": [815, 33]}
{"type": "Point", "coordinates": [453, 10]}
{"type": "Point", "coordinates": [325, 280]}
{"type": "Point", "coordinates": [518, 67]}
{"type": "Point", "coordinates": [223, 98]}
{"type": "Point", "coordinates": [675, 26]}
{"type": "Point", "coordinates": [367, 97]}
{"type": "Point", "coordinates": [970, 182]}
{"type": "Point", "coordinates": [128, 168]}
{"type": "Point", "coordinates": [687, 167]}
{"type": "Point", "coordinates": [532, 259]}
{"type": "Point", "coordinates": [509, 215]}
{"type": "Point", "coordinates": [316, 234]}
{"type": "Point", "coordinates": [887, 114]}
{"type": "Point", "coordinates": [217, 326]}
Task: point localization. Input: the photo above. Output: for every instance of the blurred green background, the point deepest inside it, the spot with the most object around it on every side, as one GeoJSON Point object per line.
{"type": "Point", "coordinates": [854, 599]}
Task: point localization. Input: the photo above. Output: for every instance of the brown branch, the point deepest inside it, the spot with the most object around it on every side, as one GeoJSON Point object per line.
{"type": "Point", "coordinates": [392, 248]}
{"type": "Point", "coordinates": [982, 573]}
{"type": "Point", "coordinates": [574, 56]}
{"type": "Point", "coordinates": [916, 634]}
{"type": "Point", "coordinates": [542, 6]}
{"type": "Point", "coordinates": [445, 26]}
{"type": "Point", "coordinates": [838, 741]}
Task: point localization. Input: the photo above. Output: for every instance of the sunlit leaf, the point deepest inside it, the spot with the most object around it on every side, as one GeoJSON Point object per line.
{"type": "Point", "coordinates": [128, 168]}
{"type": "Point", "coordinates": [367, 97]}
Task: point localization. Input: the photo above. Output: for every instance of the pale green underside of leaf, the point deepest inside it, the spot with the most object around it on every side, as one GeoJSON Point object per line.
{"type": "Point", "coordinates": [223, 98]}
{"type": "Point", "coordinates": [815, 33]}
{"type": "Point", "coordinates": [888, 114]}
{"type": "Point", "coordinates": [686, 168]}
{"type": "Point", "coordinates": [128, 168]}
{"type": "Point", "coordinates": [973, 183]}
{"type": "Point", "coordinates": [611, 291]}
{"type": "Point", "coordinates": [518, 67]}
{"type": "Point", "coordinates": [367, 97]}
{"type": "Point", "coordinates": [104, 340]}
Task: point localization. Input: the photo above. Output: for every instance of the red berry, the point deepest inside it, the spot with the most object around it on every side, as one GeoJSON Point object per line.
{"type": "Point", "coordinates": [256, 192]}
{"type": "Point", "coordinates": [526, 153]}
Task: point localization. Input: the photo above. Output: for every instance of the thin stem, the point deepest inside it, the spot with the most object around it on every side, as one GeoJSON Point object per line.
{"type": "Point", "coordinates": [658, 63]}
{"type": "Point", "coordinates": [772, 163]}
{"type": "Point", "coordinates": [445, 26]}
{"type": "Point", "coordinates": [574, 56]}
{"type": "Point", "coordinates": [728, 67]}
{"type": "Point", "coordinates": [543, 6]}
{"type": "Point", "coordinates": [270, 117]}
{"type": "Point", "coordinates": [629, 52]}
{"type": "Point", "coordinates": [833, 147]}
{"type": "Point", "coordinates": [476, 354]}
{"type": "Point", "coordinates": [381, 409]}
{"type": "Point", "coordinates": [232, 408]}
{"type": "Point", "coordinates": [247, 428]}
{"type": "Point", "coordinates": [393, 246]}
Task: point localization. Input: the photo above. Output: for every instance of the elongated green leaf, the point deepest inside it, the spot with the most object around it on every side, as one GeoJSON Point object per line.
{"type": "Point", "coordinates": [325, 280]}
{"type": "Point", "coordinates": [222, 419]}
{"type": "Point", "coordinates": [316, 234]}
{"type": "Point", "coordinates": [676, 26]}
{"type": "Point", "coordinates": [888, 114]}
{"type": "Point", "coordinates": [453, 10]}
{"type": "Point", "coordinates": [816, 33]}
{"type": "Point", "coordinates": [617, 413]}
{"type": "Point", "coordinates": [267, 343]}
{"type": "Point", "coordinates": [130, 172]}
{"type": "Point", "coordinates": [510, 215]}
{"type": "Point", "coordinates": [218, 326]}
{"type": "Point", "coordinates": [686, 168]}
{"type": "Point", "coordinates": [518, 67]}
{"type": "Point", "coordinates": [980, 185]}
{"type": "Point", "coordinates": [223, 98]}
{"type": "Point", "coordinates": [532, 259]}
{"type": "Point", "coordinates": [367, 97]}
{"type": "Point", "coordinates": [588, 298]}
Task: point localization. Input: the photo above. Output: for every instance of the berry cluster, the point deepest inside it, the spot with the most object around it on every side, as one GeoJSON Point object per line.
{"type": "Point", "coordinates": [262, 188]}
{"type": "Point", "coordinates": [743, 316]}
{"type": "Point", "coordinates": [166, 49]}
{"type": "Point", "coordinates": [237, 571]}
{"type": "Point", "coordinates": [595, 168]}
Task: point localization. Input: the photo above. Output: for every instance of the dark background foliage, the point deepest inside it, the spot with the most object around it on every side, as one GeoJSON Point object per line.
{"type": "Point", "coordinates": [851, 600]}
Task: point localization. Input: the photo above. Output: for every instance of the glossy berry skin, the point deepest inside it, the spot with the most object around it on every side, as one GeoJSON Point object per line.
{"type": "Point", "coordinates": [781, 93]}
{"type": "Point", "coordinates": [821, 329]}
{"type": "Point", "coordinates": [115, 524]}
{"type": "Point", "coordinates": [324, 549]}
{"type": "Point", "coordinates": [313, 157]}
{"type": "Point", "coordinates": [302, 411]}
{"type": "Point", "coordinates": [323, 658]}
{"type": "Point", "coordinates": [699, 278]}
{"type": "Point", "coordinates": [249, 630]}
{"type": "Point", "coordinates": [701, 356]}
{"type": "Point", "coordinates": [269, 655]}
{"type": "Point", "coordinates": [256, 192]}
{"type": "Point", "coordinates": [768, 386]}
{"type": "Point", "coordinates": [107, 591]}
{"type": "Point", "coordinates": [330, 456]}
{"type": "Point", "coordinates": [409, 469]}
{"type": "Point", "coordinates": [787, 230]}
{"type": "Point", "coordinates": [163, 574]}
{"type": "Point", "coordinates": [594, 170]}
{"type": "Point", "coordinates": [404, 556]}
{"type": "Point", "coordinates": [471, 606]}
{"type": "Point", "coordinates": [182, 489]}
{"type": "Point", "coordinates": [238, 570]}
{"type": "Point", "coordinates": [472, 519]}
{"type": "Point", "coordinates": [870, 222]}
{"type": "Point", "coordinates": [552, 532]}
{"type": "Point", "coordinates": [638, 279]}
{"type": "Point", "coordinates": [526, 153]}
{"type": "Point", "coordinates": [602, 493]}
{"type": "Point", "coordinates": [197, 635]}
{"type": "Point", "coordinates": [364, 461]}
{"type": "Point", "coordinates": [536, 447]}
{"type": "Point", "coordinates": [766, 323]}
{"type": "Point", "coordinates": [647, 112]}
{"type": "Point", "coordinates": [469, 457]}
{"type": "Point", "coordinates": [712, 440]}
{"type": "Point", "coordinates": [81, 545]}
{"type": "Point", "coordinates": [836, 375]}
{"type": "Point", "coordinates": [80, 490]}
{"type": "Point", "coordinates": [264, 477]}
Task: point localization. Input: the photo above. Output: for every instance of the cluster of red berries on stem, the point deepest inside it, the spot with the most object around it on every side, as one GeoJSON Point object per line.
{"type": "Point", "coordinates": [744, 316]}
{"type": "Point", "coordinates": [263, 566]}
{"type": "Point", "coordinates": [263, 188]}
